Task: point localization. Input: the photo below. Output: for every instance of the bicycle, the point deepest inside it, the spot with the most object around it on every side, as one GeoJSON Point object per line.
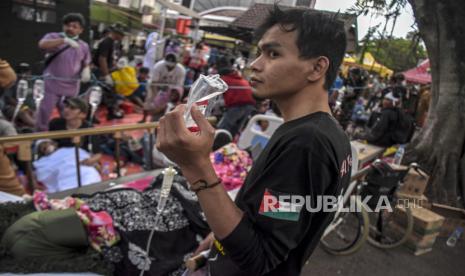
{"type": "Point", "coordinates": [391, 228]}
{"type": "Point", "coordinates": [348, 231]}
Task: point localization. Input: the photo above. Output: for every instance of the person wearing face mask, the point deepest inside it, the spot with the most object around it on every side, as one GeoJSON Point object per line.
{"type": "Point", "coordinates": [45, 147]}
{"type": "Point", "coordinates": [67, 63]}
{"type": "Point", "coordinates": [55, 167]}
{"type": "Point", "coordinates": [167, 74]}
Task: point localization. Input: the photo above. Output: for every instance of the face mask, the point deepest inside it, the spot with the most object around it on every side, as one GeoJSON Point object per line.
{"type": "Point", "coordinates": [50, 149]}
{"type": "Point", "coordinates": [170, 64]}
{"type": "Point", "coordinates": [63, 34]}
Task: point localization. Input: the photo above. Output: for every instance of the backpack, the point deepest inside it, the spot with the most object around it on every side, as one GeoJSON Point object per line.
{"type": "Point", "coordinates": [405, 127]}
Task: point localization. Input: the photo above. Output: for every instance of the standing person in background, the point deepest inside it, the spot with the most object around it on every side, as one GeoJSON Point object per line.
{"type": "Point", "coordinates": [150, 50]}
{"type": "Point", "coordinates": [196, 60]}
{"type": "Point", "coordinates": [238, 99]}
{"type": "Point", "coordinates": [104, 61]}
{"type": "Point", "coordinates": [68, 59]}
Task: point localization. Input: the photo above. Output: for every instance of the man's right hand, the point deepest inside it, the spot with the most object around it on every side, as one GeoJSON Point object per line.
{"type": "Point", "coordinates": [71, 42]}
{"type": "Point", "coordinates": [205, 244]}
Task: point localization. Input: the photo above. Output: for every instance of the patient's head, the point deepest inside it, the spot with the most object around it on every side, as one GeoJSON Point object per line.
{"type": "Point", "coordinates": [45, 147]}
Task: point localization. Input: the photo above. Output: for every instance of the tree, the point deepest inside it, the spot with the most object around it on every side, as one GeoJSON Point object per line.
{"type": "Point", "coordinates": [440, 145]}
{"type": "Point", "coordinates": [398, 54]}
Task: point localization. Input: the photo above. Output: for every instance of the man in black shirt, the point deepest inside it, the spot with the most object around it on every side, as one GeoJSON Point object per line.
{"type": "Point", "coordinates": [104, 61]}
{"type": "Point", "coordinates": [74, 115]}
{"type": "Point", "coordinates": [383, 131]}
{"type": "Point", "coordinates": [307, 156]}
{"type": "Point", "coordinates": [103, 57]}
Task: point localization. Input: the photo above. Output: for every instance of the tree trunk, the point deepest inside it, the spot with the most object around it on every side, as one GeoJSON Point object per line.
{"type": "Point", "coordinates": [439, 146]}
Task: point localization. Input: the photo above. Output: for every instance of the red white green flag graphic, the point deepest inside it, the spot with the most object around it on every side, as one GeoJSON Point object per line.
{"type": "Point", "coordinates": [275, 206]}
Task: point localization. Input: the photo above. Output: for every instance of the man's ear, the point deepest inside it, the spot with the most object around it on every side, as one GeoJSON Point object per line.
{"type": "Point", "coordinates": [319, 67]}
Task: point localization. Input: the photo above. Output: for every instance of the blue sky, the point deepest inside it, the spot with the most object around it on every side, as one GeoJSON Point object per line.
{"type": "Point", "coordinates": [403, 25]}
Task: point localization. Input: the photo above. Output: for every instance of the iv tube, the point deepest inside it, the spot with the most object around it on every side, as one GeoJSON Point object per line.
{"type": "Point", "coordinates": [168, 177]}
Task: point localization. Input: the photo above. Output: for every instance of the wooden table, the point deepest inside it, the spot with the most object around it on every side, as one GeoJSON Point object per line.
{"type": "Point", "coordinates": [366, 152]}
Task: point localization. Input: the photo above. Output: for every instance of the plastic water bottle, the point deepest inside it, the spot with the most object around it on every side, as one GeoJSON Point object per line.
{"type": "Point", "coordinates": [95, 98]}
{"type": "Point", "coordinates": [453, 238]}
{"type": "Point", "coordinates": [22, 90]}
{"type": "Point", "coordinates": [399, 155]}
{"type": "Point", "coordinates": [38, 92]}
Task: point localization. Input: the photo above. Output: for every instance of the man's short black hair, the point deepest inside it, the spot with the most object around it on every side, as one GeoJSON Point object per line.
{"type": "Point", "coordinates": [144, 70]}
{"type": "Point", "coordinates": [171, 57]}
{"type": "Point", "coordinates": [74, 17]}
{"type": "Point", "coordinates": [78, 103]}
{"type": "Point", "coordinates": [318, 34]}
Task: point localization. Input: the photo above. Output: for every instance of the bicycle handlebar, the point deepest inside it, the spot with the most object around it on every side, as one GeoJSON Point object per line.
{"type": "Point", "coordinates": [359, 174]}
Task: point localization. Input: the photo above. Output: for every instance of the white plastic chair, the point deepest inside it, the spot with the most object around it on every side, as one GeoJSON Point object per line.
{"type": "Point", "coordinates": [250, 134]}
{"type": "Point", "coordinates": [222, 138]}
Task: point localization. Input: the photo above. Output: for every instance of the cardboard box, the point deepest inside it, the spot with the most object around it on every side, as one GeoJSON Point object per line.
{"type": "Point", "coordinates": [417, 243]}
{"type": "Point", "coordinates": [421, 244]}
{"type": "Point", "coordinates": [414, 183]}
{"type": "Point", "coordinates": [425, 222]}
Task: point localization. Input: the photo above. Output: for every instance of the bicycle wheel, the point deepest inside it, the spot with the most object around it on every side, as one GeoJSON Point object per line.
{"type": "Point", "coordinates": [348, 232]}
{"type": "Point", "coordinates": [390, 229]}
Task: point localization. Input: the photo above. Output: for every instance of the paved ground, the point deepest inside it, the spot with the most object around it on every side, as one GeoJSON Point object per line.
{"type": "Point", "coordinates": [443, 260]}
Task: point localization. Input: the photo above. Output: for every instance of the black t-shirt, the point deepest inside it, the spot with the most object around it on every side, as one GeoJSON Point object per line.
{"type": "Point", "coordinates": [95, 140]}
{"type": "Point", "coordinates": [382, 132]}
{"type": "Point", "coordinates": [104, 49]}
{"type": "Point", "coordinates": [309, 156]}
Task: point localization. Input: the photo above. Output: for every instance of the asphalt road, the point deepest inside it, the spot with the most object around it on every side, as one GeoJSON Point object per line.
{"type": "Point", "coordinates": [443, 260]}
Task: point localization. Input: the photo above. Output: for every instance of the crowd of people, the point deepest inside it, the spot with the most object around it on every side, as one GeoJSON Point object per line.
{"type": "Point", "coordinates": [383, 112]}
{"type": "Point", "coordinates": [308, 154]}
{"type": "Point", "coordinates": [71, 68]}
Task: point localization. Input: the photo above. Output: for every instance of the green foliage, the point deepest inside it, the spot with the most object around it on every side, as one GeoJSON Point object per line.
{"type": "Point", "coordinates": [397, 54]}
{"type": "Point", "coordinates": [377, 7]}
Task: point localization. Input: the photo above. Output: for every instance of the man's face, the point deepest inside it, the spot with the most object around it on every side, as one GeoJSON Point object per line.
{"type": "Point", "coordinates": [72, 113]}
{"type": "Point", "coordinates": [387, 103]}
{"type": "Point", "coordinates": [278, 71]}
{"type": "Point", "coordinates": [72, 29]}
{"type": "Point", "coordinates": [143, 76]}
{"type": "Point", "coordinates": [170, 65]}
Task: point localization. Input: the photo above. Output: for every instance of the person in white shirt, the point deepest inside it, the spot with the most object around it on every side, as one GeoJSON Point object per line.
{"type": "Point", "coordinates": [167, 75]}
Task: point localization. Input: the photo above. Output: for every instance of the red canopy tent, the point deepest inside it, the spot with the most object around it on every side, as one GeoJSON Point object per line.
{"type": "Point", "coordinates": [420, 74]}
